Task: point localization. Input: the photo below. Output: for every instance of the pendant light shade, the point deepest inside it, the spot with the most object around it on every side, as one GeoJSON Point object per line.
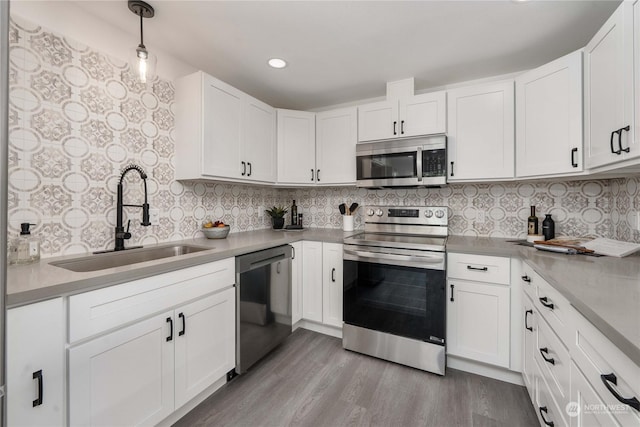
{"type": "Point", "coordinates": [143, 62]}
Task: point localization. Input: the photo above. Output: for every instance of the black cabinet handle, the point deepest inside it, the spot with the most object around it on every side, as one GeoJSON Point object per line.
{"type": "Point", "coordinates": [402, 127]}
{"type": "Point", "coordinates": [278, 268]}
{"type": "Point", "coordinates": [545, 350]}
{"type": "Point", "coordinates": [170, 321]}
{"type": "Point", "coordinates": [611, 378]}
{"type": "Point", "coordinates": [526, 278]}
{"type": "Point", "coordinates": [249, 174]}
{"type": "Point", "coordinates": [293, 252]}
{"type": "Point", "coordinates": [620, 149]}
{"type": "Point", "coordinates": [451, 299]}
{"type": "Point", "coordinates": [311, 174]}
{"type": "Point", "coordinates": [611, 143]}
{"type": "Point", "coordinates": [184, 324]}
{"type": "Point", "coordinates": [38, 376]}
{"type": "Point", "coordinates": [545, 301]}
{"type": "Point", "coordinates": [477, 268]}
{"type": "Point", "coordinates": [573, 159]}
{"type": "Point", "coordinates": [244, 168]}
{"type": "Point", "coordinates": [318, 175]}
{"type": "Point", "coordinates": [394, 128]}
{"type": "Point", "coordinates": [526, 317]}
{"type": "Point", "coordinates": [543, 410]}
{"type": "Point", "coordinates": [333, 274]}
{"type": "Point", "coordinates": [451, 169]}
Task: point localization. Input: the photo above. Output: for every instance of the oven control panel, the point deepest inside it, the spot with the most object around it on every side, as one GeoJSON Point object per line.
{"type": "Point", "coordinates": [418, 215]}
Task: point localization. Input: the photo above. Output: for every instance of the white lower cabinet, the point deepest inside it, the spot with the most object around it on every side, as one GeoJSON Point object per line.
{"type": "Point", "coordinates": [478, 321]}
{"type": "Point", "coordinates": [322, 283]}
{"type": "Point", "coordinates": [529, 343]}
{"type": "Point", "coordinates": [35, 364]}
{"type": "Point", "coordinates": [296, 282]}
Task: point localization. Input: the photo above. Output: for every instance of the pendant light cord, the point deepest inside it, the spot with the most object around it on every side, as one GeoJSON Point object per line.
{"type": "Point", "coordinates": [141, 31]}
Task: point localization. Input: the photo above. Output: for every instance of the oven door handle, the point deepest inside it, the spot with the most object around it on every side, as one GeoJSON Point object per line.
{"type": "Point", "coordinates": [380, 258]}
{"type": "Point", "coordinates": [419, 164]}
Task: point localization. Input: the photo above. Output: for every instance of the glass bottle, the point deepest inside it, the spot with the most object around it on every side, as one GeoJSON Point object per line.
{"type": "Point", "coordinates": [548, 227]}
{"type": "Point", "coordinates": [294, 213]}
{"type": "Point", "coordinates": [25, 248]}
{"type": "Point", "coordinates": [532, 222]}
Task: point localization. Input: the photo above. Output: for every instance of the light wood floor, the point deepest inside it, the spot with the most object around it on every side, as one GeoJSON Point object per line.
{"type": "Point", "coordinates": [311, 381]}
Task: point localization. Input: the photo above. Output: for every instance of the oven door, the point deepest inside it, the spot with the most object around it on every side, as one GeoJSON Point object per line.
{"type": "Point", "coordinates": [399, 294]}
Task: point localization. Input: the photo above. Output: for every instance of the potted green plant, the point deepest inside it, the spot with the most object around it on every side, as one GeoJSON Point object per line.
{"type": "Point", "coordinates": [277, 216]}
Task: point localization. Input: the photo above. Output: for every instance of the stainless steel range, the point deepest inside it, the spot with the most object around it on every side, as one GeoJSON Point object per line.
{"type": "Point", "coordinates": [394, 286]}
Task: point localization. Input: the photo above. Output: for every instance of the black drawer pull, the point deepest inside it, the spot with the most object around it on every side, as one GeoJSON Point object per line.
{"type": "Point", "coordinates": [184, 324]}
{"type": "Point", "coordinates": [451, 169]}
{"type": "Point", "coordinates": [38, 376]}
{"type": "Point", "coordinates": [311, 174]}
{"type": "Point", "coordinates": [545, 350]}
{"type": "Point", "coordinates": [244, 168]}
{"type": "Point", "coordinates": [526, 278]}
{"type": "Point", "coordinates": [451, 294]}
{"type": "Point", "coordinates": [394, 128]}
{"type": "Point", "coordinates": [573, 159]}
{"type": "Point", "coordinates": [620, 149]}
{"type": "Point", "coordinates": [318, 175]}
{"type": "Point", "coordinates": [611, 143]}
{"type": "Point", "coordinates": [611, 378]}
{"type": "Point", "coordinates": [170, 322]}
{"type": "Point", "coordinates": [545, 301]}
{"type": "Point", "coordinates": [249, 164]}
{"type": "Point", "coordinates": [543, 410]}
{"type": "Point", "coordinates": [477, 268]}
{"type": "Point", "coordinates": [526, 317]}
{"type": "Point", "coordinates": [402, 127]}
{"type": "Point", "coordinates": [333, 274]}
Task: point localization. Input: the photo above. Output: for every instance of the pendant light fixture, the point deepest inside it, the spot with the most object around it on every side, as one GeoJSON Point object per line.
{"type": "Point", "coordinates": [144, 62]}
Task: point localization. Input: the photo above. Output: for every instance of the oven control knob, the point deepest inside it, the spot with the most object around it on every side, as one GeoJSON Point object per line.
{"type": "Point", "coordinates": [439, 213]}
{"type": "Point", "coordinates": [370, 212]}
{"type": "Point", "coordinates": [428, 213]}
{"type": "Point", "coordinates": [379, 212]}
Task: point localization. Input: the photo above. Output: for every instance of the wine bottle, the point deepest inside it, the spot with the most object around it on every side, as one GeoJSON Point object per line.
{"type": "Point", "coordinates": [548, 227]}
{"type": "Point", "coordinates": [532, 222]}
{"type": "Point", "coordinates": [294, 213]}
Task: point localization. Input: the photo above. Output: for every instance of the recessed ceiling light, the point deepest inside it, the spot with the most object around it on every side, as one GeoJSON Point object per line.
{"type": "Point", "coordinates": [277, 63]}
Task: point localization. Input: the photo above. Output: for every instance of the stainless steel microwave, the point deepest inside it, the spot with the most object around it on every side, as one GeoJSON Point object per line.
{"type": "Point", "coordinates": [413, 162]}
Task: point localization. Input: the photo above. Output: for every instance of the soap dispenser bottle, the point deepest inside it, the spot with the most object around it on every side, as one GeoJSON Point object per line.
{"type": "Point", "coordinates": [25, 248]}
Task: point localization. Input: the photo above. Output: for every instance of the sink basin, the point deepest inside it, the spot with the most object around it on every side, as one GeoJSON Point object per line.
{"type": "Point", "coordinates": [126, 257]}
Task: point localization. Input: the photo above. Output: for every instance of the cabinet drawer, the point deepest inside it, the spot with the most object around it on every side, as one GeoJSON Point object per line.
{"type": "Point", "coordinates": [588, 410]}
{"type": "Point", "coordinates": [596, 356]}
{"type": "Point", "coordinates": [479, 268]}
{"type": "Point", "coordinates": [98, 311]}
{"type": "Point", "coordinates": [554, 308]}
{"type": "Point", "coordinates": [554, 362]}
{"type": "Point", "coordinates": [547, 409]}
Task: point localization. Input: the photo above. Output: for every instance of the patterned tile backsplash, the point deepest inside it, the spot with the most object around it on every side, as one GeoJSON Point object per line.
{"type": "Point", "coordinates": [77, 117]}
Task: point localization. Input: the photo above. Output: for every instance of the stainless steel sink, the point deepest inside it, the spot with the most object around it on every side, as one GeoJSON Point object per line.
{"type": "Point", "coordinates": [126, 257]}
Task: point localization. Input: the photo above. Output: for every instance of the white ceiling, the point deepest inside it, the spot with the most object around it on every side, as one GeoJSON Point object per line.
{"type": "Point", "coordinates": [345, 51]}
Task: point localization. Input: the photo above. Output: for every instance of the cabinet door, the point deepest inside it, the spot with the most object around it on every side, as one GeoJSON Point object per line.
{"type": "Point", "coordinates": [296, 147]}
{"type": "Point", "coordinates": [336, 138]}
{"type": "Point", "coordinates": [529, 343]}
{"type": "Point", "coordinates": [636, 72]}
{"type": "Point", "coordinates": [259, 148]}
{"type": "Point", "coordinates": [125, 377]}
{"type": "Point", "coordinates": [312, 281]}
{"type": "Point", "coordinates": [222, 135]}
{"type": "Point", "coordinates": [378, 121]}
{"type": "Point", "coordinates": [35, 354]}
{"type": "Point", "coordinates": [549, 118]}
{"type": "Point", "coordinates": [481, 132]}
{"type": "Point", "coordinates": [608, 88]}
{"type": "Point", "coordinates": [478, 322]}
{"type": "Point", "coordinates": [297, 279]}
{"type": "Point", "coordinates": [205, 343]}
{"type": "Point", "coordinates": [332, 284]}
{"type": "Point", "coordinates": [423, 114]}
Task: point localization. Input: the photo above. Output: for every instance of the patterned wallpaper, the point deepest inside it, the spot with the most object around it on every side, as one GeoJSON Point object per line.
{"type": "Point", "coordinates": [77, 117]}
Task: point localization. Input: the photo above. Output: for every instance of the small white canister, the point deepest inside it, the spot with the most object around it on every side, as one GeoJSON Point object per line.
{"type": "Point", "coordinates": [347, 222]}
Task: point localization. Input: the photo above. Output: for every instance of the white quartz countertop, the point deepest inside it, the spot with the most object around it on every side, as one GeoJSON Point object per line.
{"type": "Point", "coordinates": [40, 281]}
{"type": "Point", "coordinates": [605, 290]}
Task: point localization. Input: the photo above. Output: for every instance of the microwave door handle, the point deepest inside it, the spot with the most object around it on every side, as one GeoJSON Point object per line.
{"type": "Point", "coordinates": [393, 257]}
{"type": "Point", "coordinates": [419, 163]}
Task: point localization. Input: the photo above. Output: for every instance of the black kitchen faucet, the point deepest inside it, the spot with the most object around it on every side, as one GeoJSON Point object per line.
{"type": "Point", "coordinates": [122, 235]}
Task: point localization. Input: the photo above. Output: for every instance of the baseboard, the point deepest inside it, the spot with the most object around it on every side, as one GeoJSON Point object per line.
{"type": "Point", "coordinates": [190, 405]}
{"type": "Point", "coordinates": [485, 370]}
{"type": "Point", "coordinates": [319, 327]}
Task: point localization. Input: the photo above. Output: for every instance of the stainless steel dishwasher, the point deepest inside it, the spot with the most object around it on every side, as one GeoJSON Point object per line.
{"type": "Point", "coordinates": [263, 298]}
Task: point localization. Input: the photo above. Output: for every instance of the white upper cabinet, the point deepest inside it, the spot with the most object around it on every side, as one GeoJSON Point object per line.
{"type": "Point", "coordinates": [636, 70]}
{"type": "Point", "coordinates": [222, 133]}
{"type": "Point", "coordinates": [336, 138]}
{"type": "Point", "coordinates": [296, 147]}
{"type": "Point", "coordinates": [412, 116]}
{"type": "Point", "coordinates": [608, 91]}
{"type": "Point", "coordinates": [481, 132]}
{"type": "Point", "coordinates": [549, 118]}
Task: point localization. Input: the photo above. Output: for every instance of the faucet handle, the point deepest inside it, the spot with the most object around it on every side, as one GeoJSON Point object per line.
{"type": "Point", "coordinates": [127, 235]}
